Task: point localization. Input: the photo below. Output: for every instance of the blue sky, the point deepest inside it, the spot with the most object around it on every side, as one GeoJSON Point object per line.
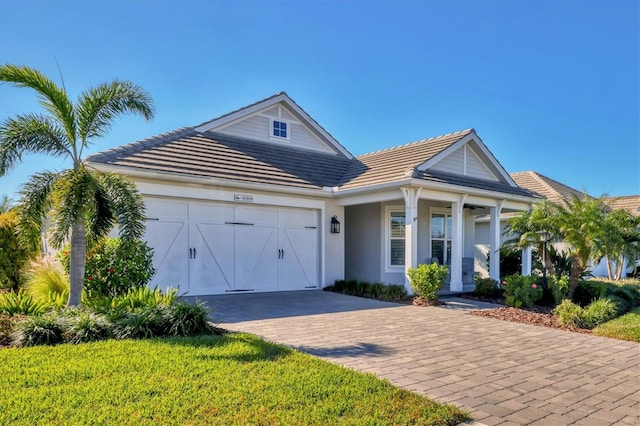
{"type": "Point", "coordinates": [550, 86]}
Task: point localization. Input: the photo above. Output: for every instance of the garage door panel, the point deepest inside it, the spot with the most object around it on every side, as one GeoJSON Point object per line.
{"type": "Point", "coordinates": [261, 216]}
{"type": "Point", "coordinates": [256, 254]}
{"type": "Point", "coordinates": [211, 213]}
{"type": "Point", "coordinates": [211, 264]}
{"type": "Point", "coordinates": [298, 266]}
{"type": "Point", "coordinates": [156, 208]}
{"type": "Point", "coordinates": [169, 241]}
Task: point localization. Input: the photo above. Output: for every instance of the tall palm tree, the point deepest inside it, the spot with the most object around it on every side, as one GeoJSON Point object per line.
{"type": "Point", "coordinates": [80, 203]}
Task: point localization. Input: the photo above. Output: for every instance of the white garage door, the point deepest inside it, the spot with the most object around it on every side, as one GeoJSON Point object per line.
{"type": "Point", "coordinates": [215, 248]}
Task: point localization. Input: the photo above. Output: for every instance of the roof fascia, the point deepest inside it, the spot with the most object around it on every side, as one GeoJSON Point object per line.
{"type": "Point", "coordinates": [195, 179]}
{"type": "Point", "coordinates": [267, 103]}
{"type": "Point", "coordinates": [471, 137]}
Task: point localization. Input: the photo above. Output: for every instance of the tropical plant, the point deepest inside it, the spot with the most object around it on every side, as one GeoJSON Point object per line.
{"type": "Point", "coordinates": [21, 303]}
{"type": "Point", "coordinates": [426, 280]}
{"type": "Point", "coordinates": [45, 280]}
{"type": "Point", "coordinates": [6, 204]}
{"type": "Point", "coordinates": [38, 330]}
{"type": "Point", "coordinates": [83, 205]}
{"type": "Point", "coordinates": [521, 291]}
{"type": "Point", "coordinates": [113, 266]}
{"type": "Point", "coordinates": [618, 241]}
{"type": "Point", "coordinates": [13, 254]}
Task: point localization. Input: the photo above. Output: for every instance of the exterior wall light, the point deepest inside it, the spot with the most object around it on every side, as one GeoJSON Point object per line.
{"type": "Point", "coordinates": [335, 225]}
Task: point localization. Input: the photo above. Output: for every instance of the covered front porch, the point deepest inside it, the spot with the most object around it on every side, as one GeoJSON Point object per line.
{"type": "Point", "coordinates": [388, 233]}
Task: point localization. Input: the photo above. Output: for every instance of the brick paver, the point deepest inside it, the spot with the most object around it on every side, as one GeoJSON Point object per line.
{"type": "Point", "coordinates": [502, 372]}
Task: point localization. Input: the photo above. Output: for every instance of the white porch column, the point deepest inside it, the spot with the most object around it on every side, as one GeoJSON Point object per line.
{"type": "Point", "coordinates": [526, 261]}
{"type": "Point", "coordinates": [495, 230]}
{"type": "Point", "coordinates": [411, 197]}
{"type": "Point", "coordinates": [457, 243]}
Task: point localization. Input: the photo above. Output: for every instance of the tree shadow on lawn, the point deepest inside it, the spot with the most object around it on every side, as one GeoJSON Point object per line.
{"type": "Point", "coordinates": [356, 350]}
{"type": "Point", "coordinates": [249, 348]}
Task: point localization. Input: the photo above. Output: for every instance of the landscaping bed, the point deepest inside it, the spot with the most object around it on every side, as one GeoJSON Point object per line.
{"type": "Point", "coordinates": [534, 316]}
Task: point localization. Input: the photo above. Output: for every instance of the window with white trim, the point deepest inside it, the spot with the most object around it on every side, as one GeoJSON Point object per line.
{"type": "Point", "coordinates": [280, 129]}
{"type": "Point", "coordinates": [441, 237]}
{"type": "Point", "coordinates": [396, 238]}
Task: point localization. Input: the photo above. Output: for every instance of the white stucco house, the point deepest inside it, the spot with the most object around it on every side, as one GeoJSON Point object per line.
{"type": "Point", "coordinates": [251, 202]}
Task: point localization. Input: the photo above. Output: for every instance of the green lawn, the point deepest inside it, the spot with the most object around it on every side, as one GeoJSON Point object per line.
{"type": "Point", "coordinates": [626, 327]}
{"type": "Point", "coordinates": [235, 379]}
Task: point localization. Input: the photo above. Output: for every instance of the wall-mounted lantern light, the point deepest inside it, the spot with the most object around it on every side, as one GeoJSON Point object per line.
{"type": "Point", "coordinates": [335, 225]}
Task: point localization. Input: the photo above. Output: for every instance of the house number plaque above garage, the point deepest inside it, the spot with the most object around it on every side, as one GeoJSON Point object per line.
{"type": "Point", "coordinates": [243, 198]}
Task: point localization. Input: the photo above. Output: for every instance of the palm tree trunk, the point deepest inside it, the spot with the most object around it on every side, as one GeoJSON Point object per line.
{"type": "Point", "coordinates": [77, 262]}
{"type": "Point", "coordinates": [576, 270]}
{"type": "Point", "coordinates": [609, 272]}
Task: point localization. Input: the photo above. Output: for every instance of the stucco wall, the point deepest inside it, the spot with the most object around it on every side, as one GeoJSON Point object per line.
{"type": "Point", "coordinates": [363, 242]}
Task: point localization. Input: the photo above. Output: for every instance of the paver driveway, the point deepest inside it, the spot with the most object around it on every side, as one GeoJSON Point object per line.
{"type": "Point", "coordinates": [503, 373]}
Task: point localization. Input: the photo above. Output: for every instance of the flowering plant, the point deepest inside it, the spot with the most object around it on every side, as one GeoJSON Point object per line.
{"type": "Point", "coordinates": [521, 291]}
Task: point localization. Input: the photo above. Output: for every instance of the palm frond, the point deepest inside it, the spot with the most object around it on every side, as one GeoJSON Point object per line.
{"type": "Point", "coordinates": [127, 202]}
{"type": "Point", "coordinates": [100, 216]}
{"type": "Point", "coordinates": [73, 194]}
{"type": "Point", "coordinates": [35, 205]}
{"type": "Point", "coordinates": [52, 98]}
{"type": "Point", "coordinates": [32, 133]}
{"type": "Point", "coordinates": [97, 107]}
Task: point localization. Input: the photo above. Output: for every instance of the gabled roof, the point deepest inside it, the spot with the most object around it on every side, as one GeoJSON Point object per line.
{"type": "Point", "coordinates": [627, 202]}
{"type": "Point", "coordinates": [548, 188]}
{"type": "Point", "coordinates": [412, 160]}
{"type": "Point", "coordinates": [207, 154]}
{"type": "Point", "coordinates": [282, 98]}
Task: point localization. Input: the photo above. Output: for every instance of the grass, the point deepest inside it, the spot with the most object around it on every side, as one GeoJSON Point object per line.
{"type": "Point", "coordinates": [234, 379]}
{"type": "Point", "coordinates": [626, 327]}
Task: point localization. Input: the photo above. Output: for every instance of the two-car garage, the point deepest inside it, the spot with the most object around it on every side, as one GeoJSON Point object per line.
{"type": "Point", "coordinates": [216, 247]}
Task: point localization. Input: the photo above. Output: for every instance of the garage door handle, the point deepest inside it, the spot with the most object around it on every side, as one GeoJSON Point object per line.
{"type": "Point", "coordinates": [194, 253]}
{"type": "Point", "coordinates": [190, 253]}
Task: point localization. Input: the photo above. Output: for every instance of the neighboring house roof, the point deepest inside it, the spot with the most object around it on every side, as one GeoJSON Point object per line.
{"type": "Point", "coordinates": [627, 202]}
{"type": "Point", "coordinates": [548, 188]}
{"type": "Point", "coordinates": [186, 151]}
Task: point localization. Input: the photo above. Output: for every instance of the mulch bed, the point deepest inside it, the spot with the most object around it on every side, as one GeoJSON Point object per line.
{"type": "Point", "coordinates": [535, 315]}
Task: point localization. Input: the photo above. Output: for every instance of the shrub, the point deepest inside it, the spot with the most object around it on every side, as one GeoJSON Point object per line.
{"type": "Point", "coordinates": [588, 291]}
{"type": "Point", "coordinates": [13, 254]}
{"type": "Point", "coordinates": [186, 319]}
{"type": "Point", "coordinates": [46, 281]}
{"type": "Point", "coordinates": [21, 303]}
{"type": "Point", "coordinates": [426, 280]}
{"type": "Point", "coordinates": [487, 287]}
{"type": "Point", "coordinates": [568, 314]}
{"type": "Point", "coordinates": [559, 288]}
{"type": "Point", "coordinates": [522, 291]}
{"type": "Point", "coordinates": [598, 312]}
{"type": "Point", "coordinates": [379, 291]}
{"type": "Point", "coordinates": [81, 325]}
{"type": "Point", "coordinates": [6, 329]}
{"type": "Point", "coordinates": [630, 293]}
{"type": "Point", "coordinates": [114, 266]}
{"type": "Point", "coordinates": [140, 324]}
{"type": "Point", "coordinates": [38, 330]}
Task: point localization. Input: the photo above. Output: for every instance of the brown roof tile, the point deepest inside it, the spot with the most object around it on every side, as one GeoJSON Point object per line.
{"type": "Point", "coordinates": [627, 202]}
{"type": "Point", "coordinates": [545, 186]}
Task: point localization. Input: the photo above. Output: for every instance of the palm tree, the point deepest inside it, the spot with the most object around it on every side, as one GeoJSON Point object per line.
{"type": "Point", "coordinates": [80, 203]}
{"type": "Point", "coordinates": [6, 204]}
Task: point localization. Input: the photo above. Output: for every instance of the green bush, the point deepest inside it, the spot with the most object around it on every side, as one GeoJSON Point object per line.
{"type": "Point", "coordinates": [13, 254]}
{"type": "Point", "coordinates": [114, 266]}
{"type": "Point", "coordinates": [559, 288]}
{"type": "Point", "coordinates": [379, 291]}
{"type": "Point", "coordinates": [46, 281]}
{"type": "Point", "coordinates": [144, 297]}
{"type": "Point", "coordinates": [142, 323]}
{"type": "Point", "coordinates": [588, 291]}
{"type": "Point", "coordinates": [6, 329]}
{"type": "Point", "coordinates": [21, 303]}
{"type": "Point", "coordinates": [522, 291]}
{"type": "Point", "coordinates": [596, 313]}
{"type": "Point", "coordinates": [82, 325]}
{"type": "Point", "coordinates": [487, 287]}
{"type": "Point", "coordinates": [568, 314]}
{"type": "Point", "coordinates": [426, 280]}
{"type": "Point", "coordinates": [38, 330]}
{"type": "Point", "coordinates": [599, 312]}
{"type": "Point", "coordinates": [186, 319]}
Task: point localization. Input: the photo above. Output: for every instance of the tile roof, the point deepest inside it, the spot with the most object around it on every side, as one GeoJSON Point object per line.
{"type": "Point", "coordinates": [398, 162]}
{"type": "Point", "coordinates": [627, 202]}
{"type": "Point", "coordinates": [546, 187]}
{"type": "Point", "coordinates": [487, 185]}
{"type": "Point", "coordinates": [209, 154]}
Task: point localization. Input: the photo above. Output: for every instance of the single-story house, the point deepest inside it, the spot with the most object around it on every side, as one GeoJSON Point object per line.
{"type": "Point", "coordinates": [265, 199]}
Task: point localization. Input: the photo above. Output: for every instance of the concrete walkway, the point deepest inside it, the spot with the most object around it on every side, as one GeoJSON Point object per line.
{"type": "Point", "coordinates": [504, 373]}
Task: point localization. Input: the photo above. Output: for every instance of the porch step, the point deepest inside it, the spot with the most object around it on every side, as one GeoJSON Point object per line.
{"type": "Point", "coordinates": [466, 288]}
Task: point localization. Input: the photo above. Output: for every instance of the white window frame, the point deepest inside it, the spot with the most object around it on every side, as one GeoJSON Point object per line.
{"type": "Point", "coordinates": [446, 213]}
{"type": "Point", "coordinates": [388, 267]}
{"type": "Point", "coordinates": [279, 138]}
